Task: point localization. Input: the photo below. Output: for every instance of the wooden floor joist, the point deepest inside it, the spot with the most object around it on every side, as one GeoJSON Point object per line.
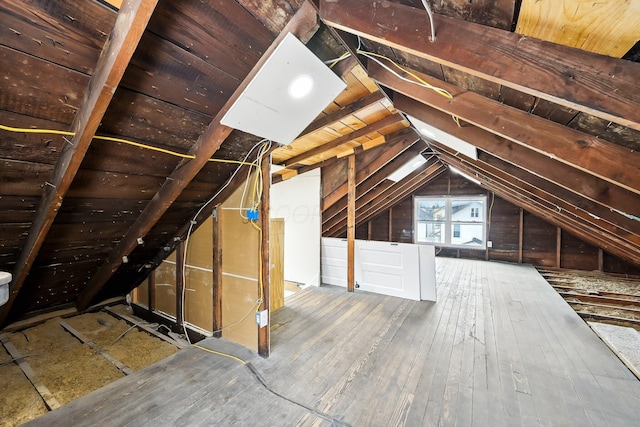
{"type": "Point", "coordinates": [143, 328]}
{"type": "Point", "coordinates": [93, 346]}
{"type": "Point", "coordinates": [49, 399]}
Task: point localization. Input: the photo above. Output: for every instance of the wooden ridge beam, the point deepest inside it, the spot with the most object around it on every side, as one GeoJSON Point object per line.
{"type": "Point", "coordinates": [304, 21]}
{"type": "Point", "coordinates": [383, 156]}
{"type": "Point", "coordinates": [596, 84]}
{"type": "Point", "coordinates": [373, 127]}
{"type": "Point", "coordinates": [569, 146]}
{"type": "Point", "coordinates": [131, 21]}
{"type": "Point", "coordinates": [577, 181]}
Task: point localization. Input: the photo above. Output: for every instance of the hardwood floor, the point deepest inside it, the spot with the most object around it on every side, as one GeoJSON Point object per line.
{"type": "Point", "coordinates": [499, 348]}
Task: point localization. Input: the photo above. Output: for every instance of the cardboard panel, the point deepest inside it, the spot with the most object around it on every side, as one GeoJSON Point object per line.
{"type": "Point", "coordinates": [199, 297]}
{"type": "Point", "coordinates": [276, 258]}
{"type": "Point", "coordinates": [166, 288]}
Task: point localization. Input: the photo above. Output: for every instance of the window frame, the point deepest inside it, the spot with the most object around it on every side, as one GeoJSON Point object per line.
{"type": "Point", "coordinates": [449, 223]}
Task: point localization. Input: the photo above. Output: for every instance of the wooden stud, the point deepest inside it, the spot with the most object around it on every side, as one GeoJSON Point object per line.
{"type": "Point", "coordinates": [520, 236]}
{"type": "Point", "coordinates": [351, 223]}
{"type": "Point", "coordinates": [151, 291]}
{"type": "Point", "coordinates": [217, 275]}
{"type": "Point", "coordinates": [264, 333]}
{"type": "Point", "coordinates": [141, 327]}
{"type": "Point", "coordinates": [369, 229]}
{"type": "Point", "coordinates": [390, 238]}
{"type": "Point", "coordinates": [114, 59]}
{"type": "Point", "coordinates": [600, 260]}
{"type": "Point", "coordinates": [180, 285]}
{"type": "Point", "coordinates": [558, 246]}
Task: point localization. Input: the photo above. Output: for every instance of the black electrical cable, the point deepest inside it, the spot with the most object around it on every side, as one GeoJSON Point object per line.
{"type": "Point", "coordinates": [334, 421]}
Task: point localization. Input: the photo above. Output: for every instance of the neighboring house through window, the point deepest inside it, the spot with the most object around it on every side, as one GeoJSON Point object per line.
{"type": "Point", "coordinates": [450, 221]}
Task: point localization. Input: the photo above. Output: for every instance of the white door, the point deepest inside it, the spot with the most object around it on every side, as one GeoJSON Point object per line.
{"type": "Point", "coordinates": [388, 268]}
{"type": "Point", "coordinates": [334, 261]}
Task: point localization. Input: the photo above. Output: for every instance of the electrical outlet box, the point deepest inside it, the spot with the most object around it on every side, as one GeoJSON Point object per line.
{"type": "Point", "coordinates": [262, 318]}
{"type": "Point", "coordinates": [489, 244]}
{"type": "Point", "coordinates": [252, 214]}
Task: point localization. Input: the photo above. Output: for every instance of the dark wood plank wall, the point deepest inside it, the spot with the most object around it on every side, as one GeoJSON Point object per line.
{"type": "Point", "coordinates": [539, 245]}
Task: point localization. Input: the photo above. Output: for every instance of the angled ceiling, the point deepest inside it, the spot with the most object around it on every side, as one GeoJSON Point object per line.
{"type": "Point", "coordinates": [556, 126]}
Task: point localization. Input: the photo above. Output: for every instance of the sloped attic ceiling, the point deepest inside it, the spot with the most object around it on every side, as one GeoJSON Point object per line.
{"type": "Point", "coordinates": [187, 58]}
{"type": "Point", "coordinates": [556, 128]}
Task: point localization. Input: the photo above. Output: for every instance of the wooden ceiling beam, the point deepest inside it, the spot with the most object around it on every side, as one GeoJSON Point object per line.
{"type": "Point", "coordinates": [575, 180]}
{"type": "Point", "coordinates": [596, 84]}
{"type": "Point", "coordinates": [572, 147]}
{"type": "Point", "coordinates": [373, 127]}
{"type": "Point", "coordinates": [303, 22]}
{"type": "Point", "coordinates": [340, 114]}
{"type": "Point", "coordinates": [131, 21]}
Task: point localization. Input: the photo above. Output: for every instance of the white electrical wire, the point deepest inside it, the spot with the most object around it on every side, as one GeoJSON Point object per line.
{"type": "Point", "coordinates": [193, 222]}
{"type": "Point", "coordinates": [433, 28]}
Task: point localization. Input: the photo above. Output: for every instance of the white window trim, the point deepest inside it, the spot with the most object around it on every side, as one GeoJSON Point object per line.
{"type": "Point", "coordinates": [448, 223]}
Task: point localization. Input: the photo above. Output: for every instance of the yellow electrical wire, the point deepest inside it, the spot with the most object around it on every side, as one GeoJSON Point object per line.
{"type": "Point", "coordinates": [219, 353]}
{"type": "Point", "coordinates": [419, 79]}
{"type": "Point", "coordinates": [120, 140]}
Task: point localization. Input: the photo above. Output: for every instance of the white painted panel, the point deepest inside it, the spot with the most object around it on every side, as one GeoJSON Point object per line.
{"type": "Point", "coordinates": [297, 200]}
{"type": "Point", "coordinates": [334, 261]}
{"type": "Point", "coordinates": [388, 268]}
{"type": "Point", "coordinates": [427, 272]}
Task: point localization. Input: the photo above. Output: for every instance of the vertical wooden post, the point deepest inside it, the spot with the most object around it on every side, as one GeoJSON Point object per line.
{"type": "Point", "coordinates": [264, 341]}
{"type": "Point", "coordinates": [558, 246]}
{"type": "Point", "coordinates": [179, 286]}
{"type": "Point", "coordinates": [351, 222]}
{"type": "Point", "coordinates": [520, 236]}
{"type": "Point", "coordinates": [369, 229]}
{"type": "Point", "coordinates": [600, 260]}
{"type": "Point", "coordinates": [217, 275]}
{"type": "Point", "coordinates": [151, 291]}
{"type": "Point", "coordinates": [390, 224]}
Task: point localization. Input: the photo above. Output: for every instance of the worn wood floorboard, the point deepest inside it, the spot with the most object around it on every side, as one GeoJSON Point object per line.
{"type": "Point", "coordinates": [499, 348]}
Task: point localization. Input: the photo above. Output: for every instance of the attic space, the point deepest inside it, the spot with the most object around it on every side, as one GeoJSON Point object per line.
{"type": "Point", "coordinates": [292, 211]}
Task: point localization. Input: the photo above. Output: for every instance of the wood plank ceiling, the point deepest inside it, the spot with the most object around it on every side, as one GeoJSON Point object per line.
{"type": "Point", "coordinates": [82, 219]}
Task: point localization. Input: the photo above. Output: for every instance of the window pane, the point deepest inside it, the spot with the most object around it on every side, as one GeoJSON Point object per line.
{"type": "Point", "coordinates": [467, 210]}
{"type": "Point", "coordinates": [468, 235]}
{"type": "Point", "coordinates": [431, 210]}
{"type": "Point", "coordinates": [431, 232]}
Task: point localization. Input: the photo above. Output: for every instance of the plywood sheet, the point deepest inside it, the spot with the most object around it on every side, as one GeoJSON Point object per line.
{"type": "Point", "coordinates": [609, 27]}
{"type": "Point", "coordinates": [199, 297]}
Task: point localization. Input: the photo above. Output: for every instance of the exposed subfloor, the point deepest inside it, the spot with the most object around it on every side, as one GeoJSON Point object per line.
{"type": "Point", "coordinates": [499, 348]}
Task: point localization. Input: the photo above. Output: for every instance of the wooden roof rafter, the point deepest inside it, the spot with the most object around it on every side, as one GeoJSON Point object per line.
{"type": "Point", "coordinates": [602, 86]}
{"type": "Point", "coordinates": [303, 23]}
{"type": "Point", "coordinates": [552, 209]}
{"type": "Point", "coordinates": [612, 198]}
{"type": "Point", "coordinates": [592, 155]}
{"type": "Point", "coordinates": [131, 21]}
{"type": "Point", "coordinates": [385, 195]}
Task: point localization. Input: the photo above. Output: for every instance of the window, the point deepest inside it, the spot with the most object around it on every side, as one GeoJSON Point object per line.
{"type": "Point", "coordinates": [450, 221]}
